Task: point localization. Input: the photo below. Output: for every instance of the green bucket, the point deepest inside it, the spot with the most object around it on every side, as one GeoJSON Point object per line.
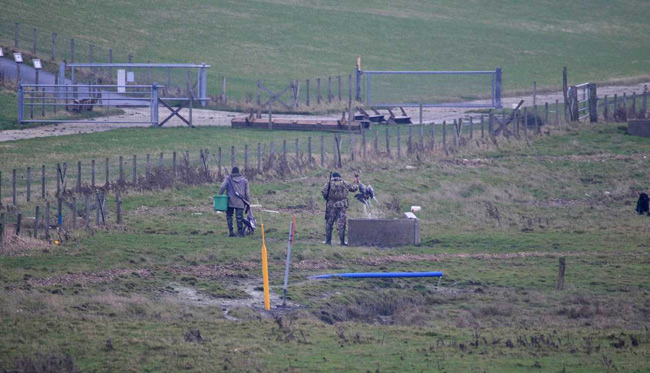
{"type": "Point", "coordinates": [220, 202]}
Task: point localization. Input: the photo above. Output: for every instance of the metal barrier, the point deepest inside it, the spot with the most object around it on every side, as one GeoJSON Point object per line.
{"type": "Point", "coordinates": [583, 100]}
{"type": "Point", "coordinates": [180, 80]}
{"type": "Point", "coordinates": [444, 88]}
{"type": "Point", "coordinates": [86, 103]}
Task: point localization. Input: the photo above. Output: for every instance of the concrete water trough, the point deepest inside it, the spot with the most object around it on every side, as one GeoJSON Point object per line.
{"type": "Point", "coordinates": [383, 232]}
{"type": "Point", "coordinates": [638, 127]}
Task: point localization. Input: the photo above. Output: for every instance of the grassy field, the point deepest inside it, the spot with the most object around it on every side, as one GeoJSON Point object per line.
{"type": "Point", "coordinates": [278, 40]}
{"type": "Point", "coordinates": [495, 220]}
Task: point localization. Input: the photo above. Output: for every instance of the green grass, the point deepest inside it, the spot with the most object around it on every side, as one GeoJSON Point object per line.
{"type": "Point", "coordinates": [494, 220]}
{"type": "Point", "coordinates": [276, 41]}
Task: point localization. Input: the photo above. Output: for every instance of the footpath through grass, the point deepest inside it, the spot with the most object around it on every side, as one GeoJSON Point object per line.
{"type": "Point", "coordinates": [494, 220]}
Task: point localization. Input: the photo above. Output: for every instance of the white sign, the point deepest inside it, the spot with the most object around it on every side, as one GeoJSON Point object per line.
{"type": "Point", "coordinates": [130, 77]}
{"type": "Point", "coordinates": [121, 81]}
{"type": "Point", "coordinates": [37, 64]}
{"type": "Point", "coordinates": [2, 54]}
{"type": "Point", "coordinates": [18, 57]}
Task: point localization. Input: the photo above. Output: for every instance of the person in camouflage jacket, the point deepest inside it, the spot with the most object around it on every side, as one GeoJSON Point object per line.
{"type": "Point", "coordinates": [335, 193]}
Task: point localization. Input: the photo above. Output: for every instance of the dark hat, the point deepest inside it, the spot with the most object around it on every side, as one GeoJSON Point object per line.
{"type": "Point", "coordinates": [336, 174]}
{"type": "Point", "coordinates": [235, 170]}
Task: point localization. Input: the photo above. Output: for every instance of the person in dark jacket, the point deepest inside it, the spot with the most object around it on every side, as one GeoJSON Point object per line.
{"type": "Point", "coordinates": [238, 197]}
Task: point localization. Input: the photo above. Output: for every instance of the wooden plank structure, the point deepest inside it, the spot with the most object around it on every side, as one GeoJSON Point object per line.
{"type": "Point", "coordinates": [335, 125]}
{"type": "Point", "coordinates": [401, 119]}
{"type": "Point", "coordinates": [374, 118]}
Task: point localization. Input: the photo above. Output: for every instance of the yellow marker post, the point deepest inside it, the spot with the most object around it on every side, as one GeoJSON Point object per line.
{"type": "Point", "coordinates": [265, 273]}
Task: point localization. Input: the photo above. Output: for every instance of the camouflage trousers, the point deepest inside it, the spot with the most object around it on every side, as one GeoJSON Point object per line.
{"type": "Point", "coordinates": [338, 215]}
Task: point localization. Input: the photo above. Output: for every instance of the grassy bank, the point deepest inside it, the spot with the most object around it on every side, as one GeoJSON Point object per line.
{"type": "Point", "coordinates": [494, 220]}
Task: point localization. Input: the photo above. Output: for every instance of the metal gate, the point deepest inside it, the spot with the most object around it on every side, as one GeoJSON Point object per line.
{"type": "Point", "coordinates": [470, 89]}
{"type": "Point", "coordinates": [52, 103]}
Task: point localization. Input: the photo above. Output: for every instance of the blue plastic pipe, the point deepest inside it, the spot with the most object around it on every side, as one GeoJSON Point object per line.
{"type": "Point", "coordinates": [379, 275]}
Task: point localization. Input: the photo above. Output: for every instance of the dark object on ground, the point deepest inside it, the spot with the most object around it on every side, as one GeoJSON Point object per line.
{"type": "Point", "coordinates": [193, 336]}
{"type": "Point", "coordinates": [643, 204]}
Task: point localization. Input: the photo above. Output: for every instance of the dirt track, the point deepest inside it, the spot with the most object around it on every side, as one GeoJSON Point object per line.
{"type": "Point", "coordinates": [201, 117]}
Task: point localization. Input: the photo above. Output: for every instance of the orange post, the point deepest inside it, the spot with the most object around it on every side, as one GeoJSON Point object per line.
{"type": "Point", "coordinates": [265, 273]}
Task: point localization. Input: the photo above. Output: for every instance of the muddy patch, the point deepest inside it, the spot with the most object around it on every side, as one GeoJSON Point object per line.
{"type": "Point", "coordinates": [255, 299]}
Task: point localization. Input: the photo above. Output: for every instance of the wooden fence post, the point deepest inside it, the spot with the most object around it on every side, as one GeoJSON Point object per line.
{"type": "Point", "coordinates": [560, 277]}
{"type": "Point", "coordinates": [329, 89]}
{"type": "Point", "coordinates": [352, 156]}
{"type": "Point", "coordinates": [232, 156]}
{"type": "Point", "coordinates": [134, 177]}
{"type": "Point", "coordinates": [307, 100]}
{"type": "Point", "coordinates": [363, 144]}
{"type": "Point", "coordinates": [19, 220]}
{"type": "Point", "coordinates": [2, 232]}
{"type": "Point", "coordinates": [107, 176]}
{"type": "Point", "coordinates": [13, 186]}
{"type": "Point", "coordinates": [491, 124]}
{"type": "Point", "coordinates": [409, 144]}
{"type": "Point", "coordinates": [259, 158]}
{"type": "Point", "coordinates": [455, 132]}
{"type": "Point", "coordinates": [399, 143]}
{"type": "Point", "coordinates": [36, 216]}
{"type": "Point", "coordinates": [444, 134]}
{"type": "Point", "coordinates": [339, 82]}
{"type": "Point", "coordinates": [471, 128]}
{"type": "Point", "coordinates": [535, 119]}
{"type": "Point", "coordinates": [78, 176]}
{"type": "Point", "coordinates": [47, 220]}
{"type": "Point", "coordinates": [546, 113]}
{"type": "Point", "coordinates": [557, 112]}
{"type": "Point", "coordinates": [174, 165]}
{"type": "Point", "coordinates": [92, 173]}
{"type": "Point", "coordinates": [121, 179]}
{"type": "Point", "coordinates": [387, 142]}
{"type": "Point", "coordinates": [29, 184]}
{"type": "Point", "coordinates": [74, 212]}
{"type": "Point", "coordinates": [606, 110]}
{"type": "Point", "coordinates": [421, 145]}
{"type": "Point", "coordinates": [98, 211]}
{"type": "Point", "coordinates": [118, 205]}
{"type": "Point", "coordinates": [338, 140]}
{"type": "Point", "coordinates": [433, 136]}
{"type": "Point", "coordinates": [43, 182]}
{"type": "Point", "coordinates": [87, 211]}
{"type": "Point", "coordinates": [322, 151]}
{"type": "Point", "coordinates": [298, 153]}
{"type": "Point", "coordinates": [318, 97]}
{"type": "Point", "coordinates": [593, 103]}
{"type": "Point", "coordinates": [309, 150]}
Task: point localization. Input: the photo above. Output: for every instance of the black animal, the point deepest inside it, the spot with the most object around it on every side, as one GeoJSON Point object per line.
{"type": "Point", "coordinates": [643, 204]}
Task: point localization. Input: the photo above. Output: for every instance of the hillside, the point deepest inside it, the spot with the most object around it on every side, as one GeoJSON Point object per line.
{"type": "Point", "coordinates": [278, 40]}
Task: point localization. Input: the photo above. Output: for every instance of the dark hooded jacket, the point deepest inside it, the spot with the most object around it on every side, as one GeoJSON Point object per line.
{"type": "Point", "coordinates": [240, 185]}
